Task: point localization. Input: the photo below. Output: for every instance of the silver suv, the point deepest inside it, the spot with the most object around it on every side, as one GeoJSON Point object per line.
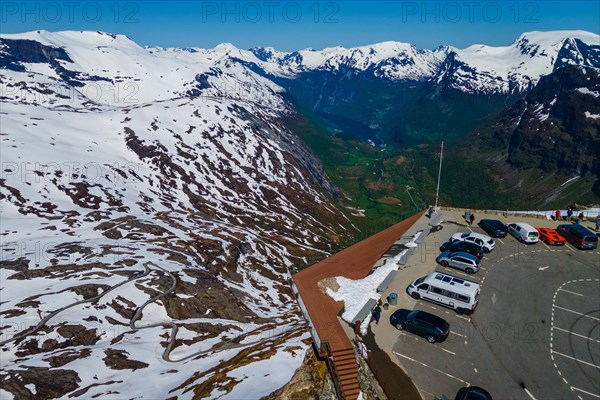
{"type": "Point", "coordinates": [459, 260]}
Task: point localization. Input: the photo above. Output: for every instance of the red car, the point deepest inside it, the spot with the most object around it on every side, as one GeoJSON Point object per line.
{"type": "Point", "coordinates": [551, 237]}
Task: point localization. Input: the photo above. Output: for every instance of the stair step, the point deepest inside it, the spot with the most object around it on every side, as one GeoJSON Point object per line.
{"type": "Point", "coordinates": [343, 351]}
{"type": "Point", "coordinates": [345, 361]}
{"type": "Point", "coordinates": [347, 380]}
{"type": "Point", "coordinates": [337, 359]}
{"type": "Point", "coordinates": [351, 386]}
{"type": "Point", "coordinates": [343, 356]}
{"type": "Point", "coordinates": [351, 393]}
{"type": "Point", "coordinates": [346, 369]}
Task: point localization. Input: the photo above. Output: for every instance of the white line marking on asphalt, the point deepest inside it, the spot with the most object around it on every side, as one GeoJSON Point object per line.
{"type": "Point", "coordinates": [435, 369]}
{"type": "Point", "coordinates": [575, 312]}
{"type": "Point", "coordinates": [585, 391]}
{"type": "Point", "coordinates": [575, 334]}
{"type": "Point", "coordinates": [465, 318]}
{"type": "Point", "coordinates": [458, 334]}
{"type": "Point", "coordinates": [529, 393]}
{"type": "Point", "coordinates": [568, 291]}
{"type": "Point", "coordinates": [475, 369]}
{"type": "Point", "coordinates": [468, 227]}
{"type": "Point", "coordinates": [543, 268]}
{"type": "Point", "coordinates": [569, 247]}
{"type": "Point", "coordinates": [545, 244]}
{"type": "Point", "coordinates": [500, 240]}
{"type": "Point", "coordinates": [576, 359]}
{"type": "Point", "coordinates": [448, 351]}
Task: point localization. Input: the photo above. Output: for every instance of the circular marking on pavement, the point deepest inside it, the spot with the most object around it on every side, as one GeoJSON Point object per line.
{"type": "Point", "coordinates": [552, 328]}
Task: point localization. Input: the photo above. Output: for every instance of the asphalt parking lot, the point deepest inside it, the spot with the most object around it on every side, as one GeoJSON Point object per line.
{"type": "Point", "coordinates": [534, 335]}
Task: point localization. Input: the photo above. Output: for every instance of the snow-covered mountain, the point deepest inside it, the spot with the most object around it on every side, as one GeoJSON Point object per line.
{"type": "Point", "coordinates": [146, 234]}
{"type": "Point", "coordinates": [476, 69]}
{"type": "Point", "coordinates": [119, 64]}
{"type": "Point", "coordinates": [152, 200]}
{"type": "Point", "coordinates": [112, 69]}
{"type": "Point", "coordinates": [391, 60]}
{"type": "Point", "coordinates": [518, 67]}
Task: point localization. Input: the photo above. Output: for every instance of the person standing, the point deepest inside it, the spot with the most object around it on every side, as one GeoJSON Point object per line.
{"type": "Point", "coordinates": [569, 214]}
{"type": "Point", "coordinates": [430, 212]}
{"type": "Point", "coordinates": [598, 225]}
{"type": "Point", "coordinates": [377, 314]}
{"type": "Point", "coordinates": [557, 215]}
{"type": "Point", "coordinates": [471, 219]}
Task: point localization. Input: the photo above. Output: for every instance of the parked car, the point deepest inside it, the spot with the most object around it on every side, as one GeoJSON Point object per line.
{"type": "Point", "coordinates": [551, 237]}
{"type": "Point", "coordinates": [484, 241]}
{"type": "Point", "coordinates": [461, 260]}
{"type": "Point", "coordinates": [473, 393]}
{"type": "Point", "coordinates": [523, 232]}
{"type": "Point", "coordinates": [579, 236]}
{"type": "Point", "coordinates": [429, 326]}
{"type": "Point", "coordinates": [466, 247]}
{"type": "Point", "coordinates": [494, 227]}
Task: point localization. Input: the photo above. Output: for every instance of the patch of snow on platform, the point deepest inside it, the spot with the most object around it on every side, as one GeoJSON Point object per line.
{"type": "Point", "coordinates": [356, 293]}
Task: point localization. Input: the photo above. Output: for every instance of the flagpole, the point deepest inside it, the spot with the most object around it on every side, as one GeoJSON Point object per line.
{"type": "Point", "coordinates": [437, 191]}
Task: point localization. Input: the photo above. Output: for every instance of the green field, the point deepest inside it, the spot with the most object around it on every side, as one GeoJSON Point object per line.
{"type": "Point", "coordinates": [371, 179]}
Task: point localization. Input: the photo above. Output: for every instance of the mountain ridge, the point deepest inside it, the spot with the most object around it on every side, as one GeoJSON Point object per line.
{"type": "Point", "coordinates": [480, 68]}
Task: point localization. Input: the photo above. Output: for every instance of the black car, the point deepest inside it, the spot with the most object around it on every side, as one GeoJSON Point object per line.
{"type": "Point", "coordinates": [465, 247]}
{"type": "Point", "coordinates": [494, 228]}
{"type": "Point", "coordinates": [431, 327]}
{"type": "Point", "coordinates": [472, 393]}
{"type": "Point", "coordinates": [579, 236]}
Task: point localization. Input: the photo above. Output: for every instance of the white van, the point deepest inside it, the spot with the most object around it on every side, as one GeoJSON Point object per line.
{"type": "Point", "coordinates": [523, 232]}
{"type": "Point", "coordinates": [460, 294]}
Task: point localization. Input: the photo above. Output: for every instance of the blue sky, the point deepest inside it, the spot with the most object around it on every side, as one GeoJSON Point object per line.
{"type": "Point", "coordinates": [293, 25]}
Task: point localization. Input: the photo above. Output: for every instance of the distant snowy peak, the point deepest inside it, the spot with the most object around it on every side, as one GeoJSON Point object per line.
{"type": "Point", "coordinates": [393, 60]}
{"type": "Point", "coordinates": [518, 67]}
{"type": "Point", "coordinates": [113, 70]}
{"type": "Point", "coordinates": [477, 69]}
{"type": "Point", "coordinates": [118, 70]}
{"type": "Point", "coordinates": [555, 39]}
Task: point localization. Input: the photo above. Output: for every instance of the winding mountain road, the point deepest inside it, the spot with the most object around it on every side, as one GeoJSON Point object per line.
{"type": "Point", "coordinates": [132, 323]}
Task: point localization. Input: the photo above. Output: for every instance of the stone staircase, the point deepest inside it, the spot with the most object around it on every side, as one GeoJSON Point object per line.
{"type": "Point", "coordinates": [346, 369]}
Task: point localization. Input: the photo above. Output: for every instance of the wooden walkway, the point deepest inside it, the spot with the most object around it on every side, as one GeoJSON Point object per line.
{"type": "Point", "coordinates": [354, 262]}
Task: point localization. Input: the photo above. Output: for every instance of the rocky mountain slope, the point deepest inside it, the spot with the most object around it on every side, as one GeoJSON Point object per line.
{"type": "Point", "coordinates": [149, 215]}
{"type": "Point", "coordinates": [540, 153]}
{"type": "Point", "coordinates": [553, 133]}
